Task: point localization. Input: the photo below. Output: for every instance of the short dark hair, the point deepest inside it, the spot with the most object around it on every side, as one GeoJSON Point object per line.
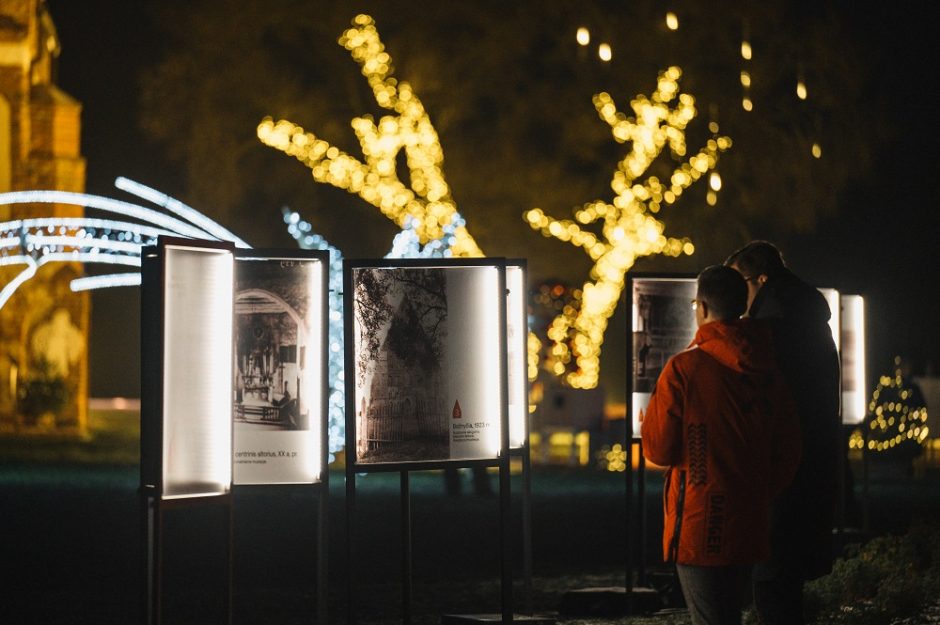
{"type": "Point", "coordinates": [724, 291]}
{"type": "Point", "coordinates": [756, 258]}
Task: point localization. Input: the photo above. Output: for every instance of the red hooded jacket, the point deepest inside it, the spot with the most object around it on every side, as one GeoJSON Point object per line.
{"type": "Point", "coordinates": [723, 421]}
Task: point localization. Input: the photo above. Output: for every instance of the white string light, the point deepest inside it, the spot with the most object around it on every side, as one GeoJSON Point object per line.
{"type": "Point", "coordinates": [106, 204]}
{"type": "Point", "coordinates": [175, 206]}
{"type": "Point", "coordinates": [90, 283]}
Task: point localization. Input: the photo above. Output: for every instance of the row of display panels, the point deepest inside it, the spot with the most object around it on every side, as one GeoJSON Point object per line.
{"type": "Point", "coordinates": [663, 324]}
{"type": "Point", "coordinates": [234, 364]}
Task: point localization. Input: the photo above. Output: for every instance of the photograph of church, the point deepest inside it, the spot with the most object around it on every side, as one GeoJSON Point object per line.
{"type": "Point", "coordinates": [401, 321]}
{"type": "Point", "coordinates": [271, 340]}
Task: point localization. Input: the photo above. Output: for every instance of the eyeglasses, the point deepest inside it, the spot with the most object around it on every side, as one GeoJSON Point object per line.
{"type": "Point", "coordinates": [694, 304]}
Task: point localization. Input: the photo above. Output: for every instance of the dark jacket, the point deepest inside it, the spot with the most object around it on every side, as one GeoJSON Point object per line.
{"type": "Point", "coordinates": [722, 419]}
{"type": "Point", "coordinates": [802, 522]}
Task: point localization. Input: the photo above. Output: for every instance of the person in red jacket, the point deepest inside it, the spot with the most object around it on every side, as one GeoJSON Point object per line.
{"type": "Point", "coordinates": [722, 420]}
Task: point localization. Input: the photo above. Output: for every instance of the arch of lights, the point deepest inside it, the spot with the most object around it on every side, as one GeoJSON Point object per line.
{"type": "Point", "coordinates": [38, 241]}
{"type": "Point", "coordinates": [35, 242]}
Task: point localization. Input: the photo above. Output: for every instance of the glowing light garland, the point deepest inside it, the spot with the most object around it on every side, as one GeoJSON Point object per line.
{"type": "Point", "coordinates": [628, 229]}
{"type": "Point", "coordinates": [303, 233]}
{"type": "Point", "coordinates": [426, 206]}
{"type": "Point", "coordinates": [38, 241]}
{"type": "Point", "coordinates": [175, 206]}
{"type": "Point", "coordinates": [106, 204]}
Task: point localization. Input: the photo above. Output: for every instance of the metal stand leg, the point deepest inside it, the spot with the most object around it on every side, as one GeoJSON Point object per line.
{"type": "Point", "coordinates": [628, 506]}
{"type": "Point", "coordinates": [151, 526]}
{"type": "Point", "coordinates": [504, 540]}
{"type": "Point", "coordinates": [406, 564]}
{"type": "Point", "coordinates": [527, 531]}
{"type": "Point", "coordinates": [350, 550]}
{"type": "Point", "coordinates": [323, 545]}
{"type": "Point", "coordinates": [641, 518]}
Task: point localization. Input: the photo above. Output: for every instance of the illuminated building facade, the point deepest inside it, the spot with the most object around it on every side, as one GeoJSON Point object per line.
{"type": "Point", "coordinates": [44, 327]}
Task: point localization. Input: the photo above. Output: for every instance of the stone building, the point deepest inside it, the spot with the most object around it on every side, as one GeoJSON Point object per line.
{"type": "Point", "coordinates": [44, 326]}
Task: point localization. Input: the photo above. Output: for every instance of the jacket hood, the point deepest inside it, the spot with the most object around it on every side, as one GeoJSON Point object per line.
{"type": "Point", "coordinates": [744, 345]}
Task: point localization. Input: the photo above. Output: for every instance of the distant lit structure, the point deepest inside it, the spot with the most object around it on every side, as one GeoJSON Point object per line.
{"type": "Point", "coordinates": [628, 227]}
{"type": "Point", "coordinates": [43, 331]}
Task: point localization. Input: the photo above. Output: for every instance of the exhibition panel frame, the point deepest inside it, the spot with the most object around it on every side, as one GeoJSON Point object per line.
{"type": "Point", "coordinates": [853, 357]}
{"type": "Point", "coordinates": [662, 324]}
{"type": "Point", "coordinates": [427, 383]}
{"type": "Point", "coordinates": [426, 363]}
{"type": "Point", "coordinates": [280, 370]}
{"type": "Point", "coordinates": [234, 382]}
{"type": "Point", "coordinates": [280, 379]}
{"type": "Point", "coordinates": [186, 395]}
{"type": "Point", "coordinates": [186, 334]}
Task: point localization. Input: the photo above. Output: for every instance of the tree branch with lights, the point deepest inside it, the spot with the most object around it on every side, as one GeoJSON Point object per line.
{"type": "Point", "coordinates": [627, 226]}
{"type": "Point", "coordinates": [426, 206]}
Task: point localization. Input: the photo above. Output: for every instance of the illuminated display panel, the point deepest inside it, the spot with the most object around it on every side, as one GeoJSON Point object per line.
{"type": "Point", "coordinates": [197, 361]}
{"type": "Point", "coordinates": [663, 324]}
{"type": "Point", "coordinates": [517, 329]}
{"type": "Point", "coordinates": [426, 354]}
{"type": "Point", "coordinates": [852, 355]}
{"type": "Point", "coordinates": [835, 308]}
{"type": "Point", "coordinates": [279, 375]}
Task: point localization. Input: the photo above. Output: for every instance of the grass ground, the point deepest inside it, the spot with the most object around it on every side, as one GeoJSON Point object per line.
{"type": "Point", "coordinates": [70, 526]}
{"type": "Point", "coordinates": [112, 439]}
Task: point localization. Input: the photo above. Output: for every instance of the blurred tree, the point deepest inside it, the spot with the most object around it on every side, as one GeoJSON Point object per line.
{"type": "Point", "coordinates": [509, 92]}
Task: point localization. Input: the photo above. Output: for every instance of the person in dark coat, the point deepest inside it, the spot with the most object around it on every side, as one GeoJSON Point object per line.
{"type": "Point", "coordinates": [722, 419]}
{"type": "Point", "coordinates": [803, 516]}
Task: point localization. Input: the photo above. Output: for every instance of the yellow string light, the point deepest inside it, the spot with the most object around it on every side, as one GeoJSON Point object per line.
{"type": "Point", "coordinates": [426, 204]}
{"type": "Point", "coordinates": [801, 89]}
{"type": "Point", "coordinates": [628, 229]}
{"type": "Point", "coordinates": [583, 36]}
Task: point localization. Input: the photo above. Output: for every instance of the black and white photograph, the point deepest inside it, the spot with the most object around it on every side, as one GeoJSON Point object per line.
{"type": "Point", "coordinates": [663, 325]}
{"type": "Point", "coordinates": [401, 322]}
{"type": "Point", "coordinates": [426, 363]}
{"type": "Point", "coordinates": [276, 370]}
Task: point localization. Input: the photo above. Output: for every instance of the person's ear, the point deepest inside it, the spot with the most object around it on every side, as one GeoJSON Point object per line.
{"type": "Point", "coordinates": [761, 279]}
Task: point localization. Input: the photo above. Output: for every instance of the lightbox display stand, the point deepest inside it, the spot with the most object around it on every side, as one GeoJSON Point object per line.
{"type": "Point", "coordinates": [422, 335]}
{"type": "Point", "coordinates": [280, 378]}
{"type": "Point", "coordinates": [661, 323]}
{"type": "Point", "coordinates": [186, 425]}
{"type": "Point", "coordinates": [517, 349]}
{"type": "Point", "coordinates": [853, 358]}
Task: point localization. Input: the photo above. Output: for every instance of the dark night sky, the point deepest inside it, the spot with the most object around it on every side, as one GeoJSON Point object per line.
{"type": "Point", "coordinates": [883, 244]}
